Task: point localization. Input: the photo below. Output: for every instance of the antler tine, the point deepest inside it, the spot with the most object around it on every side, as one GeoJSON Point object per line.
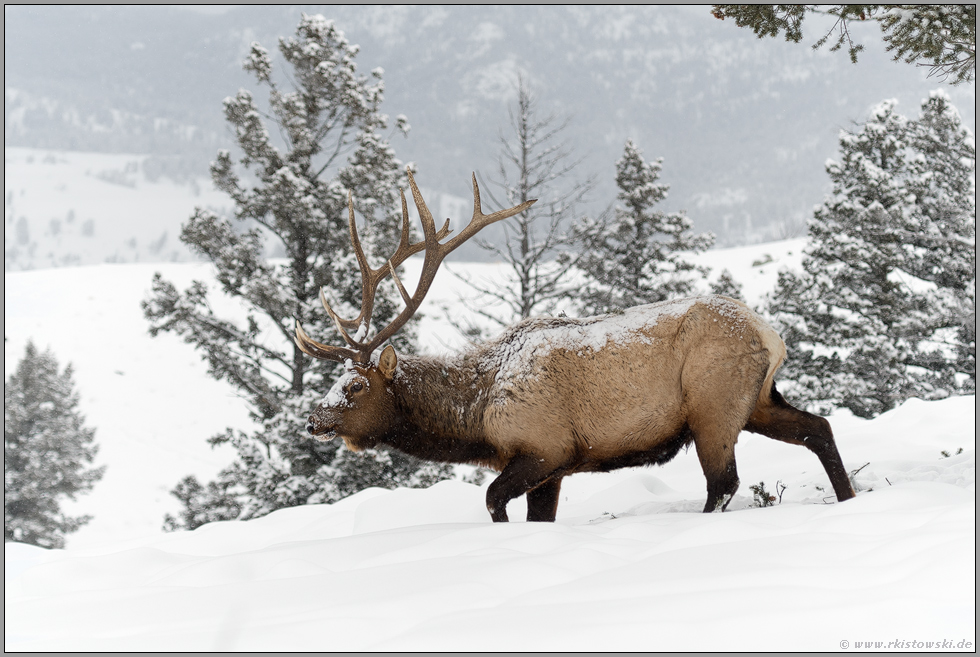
{"type": "Point", "coordinates": [406, 249]}
{"type": "Point", "coordinates": [367, 275]}
{"type": "Point", "coordinates": [401, 288]}
{"type": "Point", "coordinates": [428, 223]}
{"type": "Point", "coordinates": [480, 220]}
{"type": "Point", "coordinates": [404, 241]}
{"type": "Point", "coordinates": [435, 252]}
{"type": "Point", "coordinates": [354, 239]}
{"type": "Point", "coordinates": [367, 301]}
{"type": "Point", "coordinates": [313, 348]}
{"type": "Point", "coordinates": [338, 321]}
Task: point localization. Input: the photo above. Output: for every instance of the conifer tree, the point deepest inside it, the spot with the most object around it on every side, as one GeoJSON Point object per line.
{"type": "Point", "coordinates": [727, 286]}
{"type": "Point", "coordinates": [941, 37]}
{"type": "Point", "coordinates": [46, 452]}
{"type": "Point", "coordinates": [884, 308]}
{"type": "Point", "coordinates": [291, 201]}
{"type": "Point", "coordinates": [639, 254]}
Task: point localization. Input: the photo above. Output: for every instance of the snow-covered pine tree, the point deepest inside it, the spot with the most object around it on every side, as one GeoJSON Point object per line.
{"type": "Point", "coordinates": [639, 254]}
{"type": "Point", "coordinates": [727, 286]}
{"type": "Point", "coordinates": [46, 452]}
{"type": "Point", "coordinates": [943, 244]}
{"type": "Point", "coordinates": [291, 202]}
{"type": "Point", "coordinates": [941, 37]}
{"type": "Point", "coordinates": [884, 308]}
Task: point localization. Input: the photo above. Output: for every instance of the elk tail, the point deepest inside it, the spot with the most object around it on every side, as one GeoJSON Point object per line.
{"type": "Point", "coordinates": [777, 353]}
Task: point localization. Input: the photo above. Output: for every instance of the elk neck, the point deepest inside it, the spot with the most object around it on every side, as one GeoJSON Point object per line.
{"type": "Point", "coordinates": [440, 404]}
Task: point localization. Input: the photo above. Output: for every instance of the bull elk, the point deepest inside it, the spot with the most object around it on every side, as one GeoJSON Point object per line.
{"type": "Point", "coordinates": [554, 396]}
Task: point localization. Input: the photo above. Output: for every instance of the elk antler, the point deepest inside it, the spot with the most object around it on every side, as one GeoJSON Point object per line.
{"type": "Point", "coordinates": [360, 348]}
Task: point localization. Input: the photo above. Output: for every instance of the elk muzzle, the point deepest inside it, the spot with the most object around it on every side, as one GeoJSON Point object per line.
{"type": "Point", "coordinates": [322, 425]}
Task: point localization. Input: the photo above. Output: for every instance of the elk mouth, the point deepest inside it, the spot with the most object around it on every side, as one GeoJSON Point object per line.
{"type": "Point", "coordinates": [320, 432]}
{"type": "Point", "coordinates": [329, 432]}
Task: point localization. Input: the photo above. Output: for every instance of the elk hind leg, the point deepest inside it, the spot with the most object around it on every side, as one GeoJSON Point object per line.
{"type": "Point", "coordinates": [716, 452]}
{"type": "Point", "coordinates": [784, 422]}
{"type": "Point", "coordinates": [720, 393]}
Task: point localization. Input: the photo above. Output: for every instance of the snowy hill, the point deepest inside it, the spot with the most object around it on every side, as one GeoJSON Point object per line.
{"type": "Point", "coordinates": [629, 565]}
{"type": "Point", "coordinates": [72, 208]}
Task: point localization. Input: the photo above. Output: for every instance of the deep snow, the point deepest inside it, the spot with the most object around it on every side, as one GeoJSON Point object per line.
{"type": "Point", "coordinates": [630, 564]}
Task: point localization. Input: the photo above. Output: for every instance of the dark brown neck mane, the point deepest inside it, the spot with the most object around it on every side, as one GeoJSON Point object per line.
{"type": "Point", "coordinates": [439, 405]}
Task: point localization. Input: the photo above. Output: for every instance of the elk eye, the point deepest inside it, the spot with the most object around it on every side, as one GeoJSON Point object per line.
{"type": "Point", "coordinates": [357, 387]}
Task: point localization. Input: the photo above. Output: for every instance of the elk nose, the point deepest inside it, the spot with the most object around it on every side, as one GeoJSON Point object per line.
{"type": "Point", "coordinates": [309, 427]}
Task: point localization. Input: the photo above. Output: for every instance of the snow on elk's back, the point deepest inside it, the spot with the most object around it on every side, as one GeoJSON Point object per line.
{"type": "Point", "coordinates": [515, 354]}
{"type": "Point", "coordinates": [738, 314]}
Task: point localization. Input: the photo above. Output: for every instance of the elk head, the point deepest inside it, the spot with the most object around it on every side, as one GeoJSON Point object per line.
{"type": "Point", "coordinates": [360, 405]}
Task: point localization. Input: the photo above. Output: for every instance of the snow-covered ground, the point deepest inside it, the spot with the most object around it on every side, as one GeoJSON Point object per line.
{"type": "Point", "coordinates": [630, 564]}
{"type": "Point", "coordinates": [75, 208]}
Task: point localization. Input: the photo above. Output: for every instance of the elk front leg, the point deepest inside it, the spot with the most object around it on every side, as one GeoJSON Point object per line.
{"type": "Point", "coordinates": [542, 502]}
{"type": "Point", "coordinates": [523, 473]}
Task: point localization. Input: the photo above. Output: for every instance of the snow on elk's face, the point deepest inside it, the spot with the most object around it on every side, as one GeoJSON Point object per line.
{"type": "Point", "coordinates": [358, 407]}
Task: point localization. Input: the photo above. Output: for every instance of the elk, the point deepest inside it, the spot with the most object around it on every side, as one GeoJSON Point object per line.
{"type": "Point", "coordinates": [553, 396]}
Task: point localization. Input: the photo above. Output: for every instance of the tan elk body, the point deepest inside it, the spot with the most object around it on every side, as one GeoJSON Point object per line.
{"type": "Point", "coordinates": [555, 396]}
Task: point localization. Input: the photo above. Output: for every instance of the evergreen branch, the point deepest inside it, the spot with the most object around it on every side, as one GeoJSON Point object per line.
{"type": "Point", "coordinates": [338, 150]}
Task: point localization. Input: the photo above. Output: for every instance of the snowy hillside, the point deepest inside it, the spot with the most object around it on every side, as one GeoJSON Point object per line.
{"type": "Point", "coordinates": [73, 208]}
{"type": "Point", "coordinates": [629, 565]}
{"type": "Point", "coordinates": [70, 208]}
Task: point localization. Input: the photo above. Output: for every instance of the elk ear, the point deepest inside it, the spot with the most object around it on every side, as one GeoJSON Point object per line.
{"type": "Point", "coordinates": [387, 362]}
